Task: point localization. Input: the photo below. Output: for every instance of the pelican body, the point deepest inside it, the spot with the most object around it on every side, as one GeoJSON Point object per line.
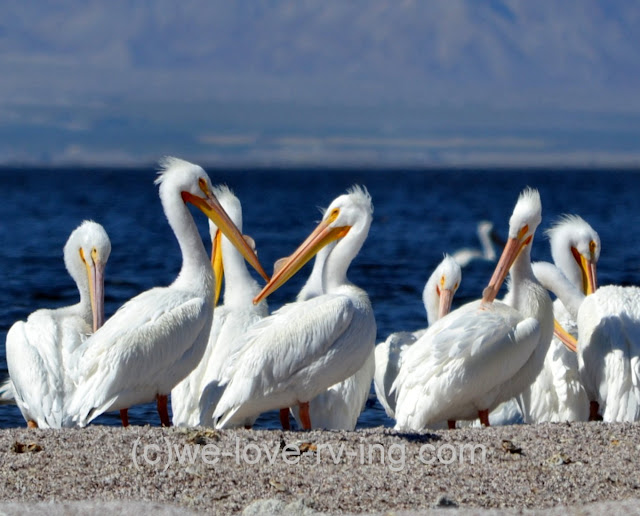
{"type": "Point", "coordinates": [158, 337]}
{"type": "Point", "coordinates": [304, 348]}
{"type": "Point", "coordinates": [557, 394]}
{"type": "Point", "coordinates": [340, 406]}
{"type": "Point", "coordinates": [437, 297]}
{"type": "Point", "coordinates": [485, 352]}
{"type": "Point", "coordinates": [41, 351]}
{"type": "Point", "coordinates": [194, 399]}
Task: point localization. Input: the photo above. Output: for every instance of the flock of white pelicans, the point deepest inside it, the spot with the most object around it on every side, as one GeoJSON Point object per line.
{"type": "Point", "coordinates": [573, 359]}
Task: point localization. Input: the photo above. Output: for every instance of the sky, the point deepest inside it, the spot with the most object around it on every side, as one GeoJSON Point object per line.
{"type": "Point", "coordinates": [321, 83]}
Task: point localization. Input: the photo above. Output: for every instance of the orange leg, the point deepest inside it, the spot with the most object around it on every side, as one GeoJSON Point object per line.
{"type": "Point", "coordinates": [594, 408]}
{"type": "Point", "coordinates": [32, 424]}
{"type": "Point", "coordinates": [284, 418]}
{"type": "Point", "coordinates": [305, 419]}
{"type": "Point", "coordinates": [163, 409]}
{"type": "Point", "coordinates": [451, 423]}
{"type": "Point", "coordinates": [484, 417]}
{"type": "Point", "coordinates": [124, 416]}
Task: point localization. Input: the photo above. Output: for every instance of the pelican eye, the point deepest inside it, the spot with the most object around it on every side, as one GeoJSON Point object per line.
{"type": "Point", "coordinates": [94, 255]}
{"type": "Point", "coordinates": [333, 215]}
{"type": "Point", "coordinates": [592, 247]}
{"type": "Point", "coordinates": [82, 256]}
{"type": "Point", "coordinates": [523, 231]}
{"type": "Point", "coordinates": [442, 280]}
{"type": "Point", "coordinates": [202, 183]}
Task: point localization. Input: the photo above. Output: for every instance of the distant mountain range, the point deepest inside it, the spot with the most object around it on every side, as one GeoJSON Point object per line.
{"type": "Point", "coordinates": [325, 82]}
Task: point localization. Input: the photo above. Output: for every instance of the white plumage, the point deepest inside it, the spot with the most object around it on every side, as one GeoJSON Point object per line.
{"type": "Point", "coordinates": [437, 297]}
{"type": "Point", "coordinates": [485, 352]}
{"type": "Point", "coordinates": [155, 339]}
{"type": "Point", "coordinates": [607, 346]}
{"type": "Point", "coordinates": [195, 398]}
{"type": "Point", "coordinates": [41, 351]}
{"type": "Point", "coordinates": [304, 348]}
{"type": "Point", "coordinates": [339, 407]}
{"type": "Point", "coordinates": [557, 393]}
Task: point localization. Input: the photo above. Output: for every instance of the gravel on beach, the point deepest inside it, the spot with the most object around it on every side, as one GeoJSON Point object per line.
{"type": "Point", "coordinates": [155, 470]}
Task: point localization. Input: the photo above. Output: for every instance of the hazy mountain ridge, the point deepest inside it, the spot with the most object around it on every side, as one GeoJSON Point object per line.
{"type": "Point", "coordinates": [399, 49]}
{"type": "Point", "coordinates": [119, 80]}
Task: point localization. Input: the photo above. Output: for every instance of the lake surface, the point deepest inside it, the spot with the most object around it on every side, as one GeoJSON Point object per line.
{"type": "Point", "coordinates": [418, 216]}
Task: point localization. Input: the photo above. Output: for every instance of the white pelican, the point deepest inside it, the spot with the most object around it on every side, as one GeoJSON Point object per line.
{"type": "Point", "coordinates": [158, 337]}
{"type": "Point", "coordinates": [40, 350]}
{"type": "Point", "coordinates": [487, 237]}
{"type": "Point", "coordinates": [339, 407]}
{"type": "Point", "coordinates": [194, 399]}
{"type": "Point", "coordinates": [608, 344]}
{"type": "Point", "coordinates": [437, 297]}
{"type": "Point", "coordinates": [485, 352]}
{"type": "Point", "coordinates": [557, 393]}
{"type": "Point", "coordinates": [304, 348]}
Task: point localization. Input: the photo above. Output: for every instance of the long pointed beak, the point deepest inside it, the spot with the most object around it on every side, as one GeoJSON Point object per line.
{"type": "Point", "coordinates": [320, 237]}
{"type": "Point", "coordinates": [588, 270]}
{"type": "Point", "coordinates": [216, 263]}
{"type": "Point", "coordinates": [565, 337]}
{"type": "Point", "coordinates": [590, 278]}
{"type": "Point", "coordinates": [446, 299]}
{"type": "Point", "coordinates": [509, 254]}
{"type": "Point", "coordinates": [95, 274]}
{"type": "Point", "coordinates": [212, 209]}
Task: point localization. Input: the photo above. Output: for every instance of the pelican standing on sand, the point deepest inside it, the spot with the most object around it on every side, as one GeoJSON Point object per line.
{"type": "Point", "coordinates": [485, 352]}
{"type": "Point", "coordinates": [158, 337]}
{"type": "Point", "coordinates": [194, 399]}
{"type": "Point", "coordinates": [339, 407]}
{"type": "Point", "coordinates": [41, 351]}
{"type": "Point", "coordinates": [304, 348]}
{"type": "Point", "coordinates": [437, 297]}
{"type": "Point", "coordinates": [607, 346]}
{"type": "Point", "coordinates": [557, 393]}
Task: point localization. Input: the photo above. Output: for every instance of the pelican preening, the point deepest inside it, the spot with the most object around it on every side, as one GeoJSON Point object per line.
{"type": "Point", "coordinates": [437, 297]}
{"type": "Point", "coordinates": [557, 394]}
{"type": "Point", "coordinates": [158, 337]}
{"type": "Point", "coordinates": [317, 357]}
{"type": "Point", "coordinates": [195, 398]}
{"type": "Point", "coordinates": [304, 348]}
{"type": "Point", "coordinates": [42, 351]}
{"type": "Point", "coordinates": [608, 322]}
{"type": "Point", "coordinates": [485, 352]}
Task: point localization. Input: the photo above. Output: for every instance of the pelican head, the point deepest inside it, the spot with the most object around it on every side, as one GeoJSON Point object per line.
{"type": "Point", "coordinates": [85, 255]}
{"type": "Point", "coordinates": [525, 219]}
{"type": "Point", "coordinates": [233, 207]}
{"type": "Point", "coordinates": [442, 285]}
{"type": "Point", "coordinates": [347, 216]}
{"type": "Point", "coordinates": [194, 186]}
{"type": "Point", "coordinates": [575, 248]}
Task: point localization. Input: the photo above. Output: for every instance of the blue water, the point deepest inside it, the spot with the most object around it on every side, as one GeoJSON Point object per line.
{"type": "Point", "coordinates": [419, 215]}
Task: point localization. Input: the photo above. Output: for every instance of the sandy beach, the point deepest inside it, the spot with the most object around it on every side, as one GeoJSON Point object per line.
{"type": "Point", "coordinates": [167, 471]}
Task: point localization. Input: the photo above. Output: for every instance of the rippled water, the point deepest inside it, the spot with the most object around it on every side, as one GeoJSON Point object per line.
{"type": "Point", "coordinates": [419, 215]}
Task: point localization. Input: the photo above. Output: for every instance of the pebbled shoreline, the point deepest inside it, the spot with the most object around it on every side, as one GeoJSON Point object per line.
{"type": "Point", "coordinates": [363, 472]}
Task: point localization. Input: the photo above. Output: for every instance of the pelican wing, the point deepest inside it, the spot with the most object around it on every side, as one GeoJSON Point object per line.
{"type": "Point", "coordinates": [35, 369]}
{"type": "Point", "coordinates": [292, 344]}
{"type": "Point", "coordinates": [461, 359]}
{"type": "Point", "coordinates": [7, 393]}
{"type": "Point", "coordinates": [388, 359]}
{"type": "Point", "coordinates": [129, 360]}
